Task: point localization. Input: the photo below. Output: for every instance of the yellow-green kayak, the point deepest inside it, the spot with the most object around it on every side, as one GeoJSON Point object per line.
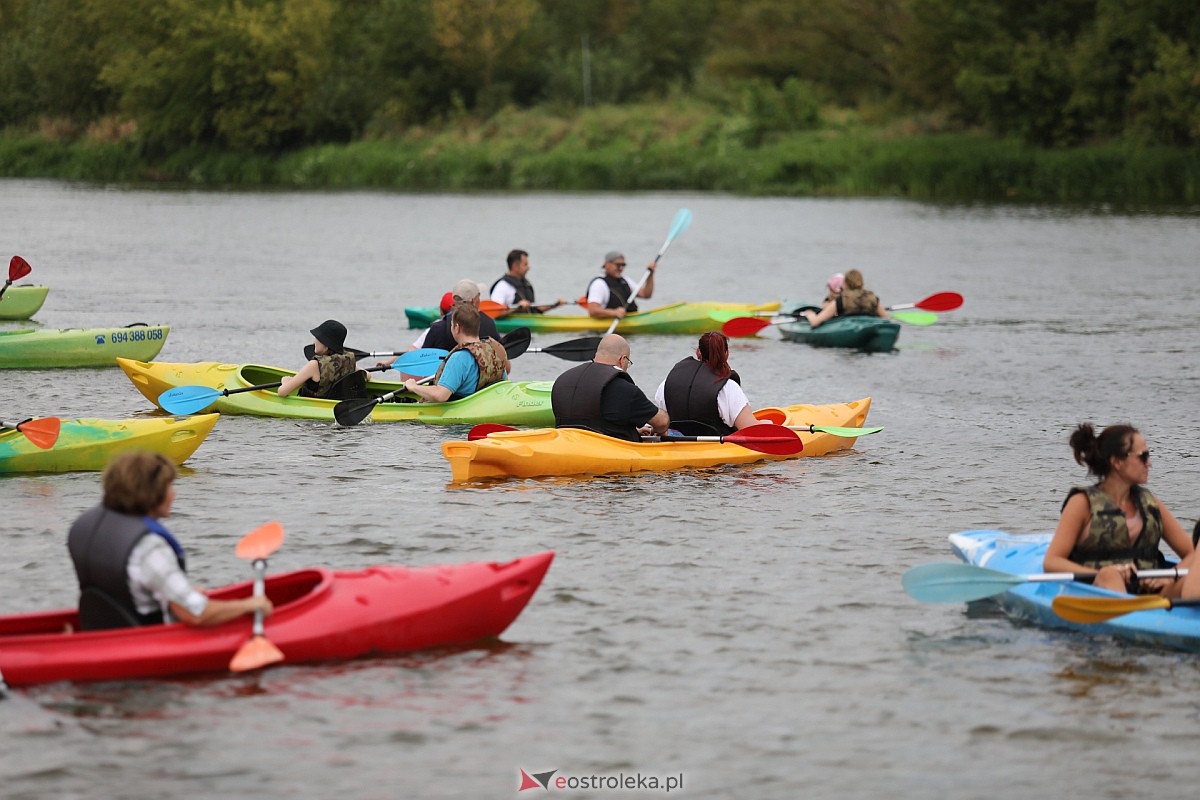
{"type": "Point", "coordinates": [675, 318]}
{"type": "Point", "coordinates": [89, 444]}
{"type": "Point", "coordinates": [506, 402]}
{"type": "Point", "coordinates": [30, 348]}
{"type": "Point", "coordinates": [22, 302]}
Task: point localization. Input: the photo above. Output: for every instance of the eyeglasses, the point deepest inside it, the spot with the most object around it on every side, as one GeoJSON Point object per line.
{"type": "Point", "coordinates": [619, 264]}
{"type": "Point", "coordinates": [628, 361]}
{"type": "Point", "coordinates": [1144, 456]}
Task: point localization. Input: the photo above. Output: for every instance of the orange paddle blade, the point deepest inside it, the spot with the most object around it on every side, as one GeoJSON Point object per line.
{"type": "Point", "coordinates": [1090, 610]}
{"type": "Point", "coordinates": [42, 432]}
{"type": "Point", "coordinates": [744, 326]}
{"type": "Point", "coordinates": [260, 542]}
{"type": "Point", "coordinates": [255, 653]}
{"type": "Point", "coordinates": [775, 415]}
{"type": "Point", "coordinates": [493, 309]}
{"type": "Point", "coordinates": [18, 268]}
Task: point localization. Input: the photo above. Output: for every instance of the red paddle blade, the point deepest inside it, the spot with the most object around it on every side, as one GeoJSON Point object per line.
{"type": "Point", "coordinates": [942, 301]}
{"type": "Point", "coordinates": [492, 308]}
{"type": "Point", "coordinates": [744, 326]}
{"type": "Point", "coordinates": [18, 268]}
{"type": "Point", "coordinates": [260, 542]}
{"type": "Point", "coordinates": [257, 652]}
{"type": "Point", "coordinates": [42, 432]}
{"type": "Point", "coordinates": [482, 431]}
{"type": "Point", "coordinates": [767, 438]}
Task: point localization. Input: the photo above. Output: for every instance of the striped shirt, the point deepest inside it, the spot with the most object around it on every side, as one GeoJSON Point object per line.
{"type": "Point", "coordinates": [155, 579]}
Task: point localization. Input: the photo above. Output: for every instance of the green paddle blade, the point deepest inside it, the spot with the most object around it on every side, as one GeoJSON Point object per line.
{"type": "Point", "coordinates": [915, 317]}
{"type": "Point", "coordinates": [848, 433]}
{"type": "Point", "coordinates": [956, 583]}
{"type": "Point", "coordinates": [187, 399]}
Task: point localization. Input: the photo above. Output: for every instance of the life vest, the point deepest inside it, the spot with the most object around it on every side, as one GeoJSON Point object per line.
{"type": "Point", "coordinates": [857, 301]}
{"type": "Point", "coordinates": [440, 336]}
{"type": "Point", "coordinates": [331, 368]}
{"type": "Point", "coordinates": [100, 542]}
{"type": "Point", "coordinates": [691, 392]}
{"type": "Point", "coordinates": [489, 361]}
{"type": "Point", "coordinates": [522, 287]}
{"type": "Point", "coordinates": [1107, 539]}
{"type": "Point", "coordinates": [619, 292]}
{"type": "Point", "coordinates": [576, 400]}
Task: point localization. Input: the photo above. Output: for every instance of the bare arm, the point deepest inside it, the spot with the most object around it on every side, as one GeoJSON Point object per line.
{"type": "Point", "coordinates": [217, 612]}
{"type": "Point", "coordinates": [1071, 525]}
{"type": "Point", "coordinates": [648, 287]}
{"type": "Point", "coordinates": [827, 313]}
{"type": "Point", "coordinates": [309, 371]}
{"type": "Point", "coordinates": [745, 418]}
{"type": "Point", "coordinates": [428, 394]}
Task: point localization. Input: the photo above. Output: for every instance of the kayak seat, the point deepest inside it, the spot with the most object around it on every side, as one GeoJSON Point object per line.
{"type": "Point", "coordinates": [351, 387]}
{"type": "Point", "coordinates": [98, 611]}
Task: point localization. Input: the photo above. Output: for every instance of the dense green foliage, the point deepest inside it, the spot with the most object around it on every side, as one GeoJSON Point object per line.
{"type": "Point", "coordinates": [174, 82]}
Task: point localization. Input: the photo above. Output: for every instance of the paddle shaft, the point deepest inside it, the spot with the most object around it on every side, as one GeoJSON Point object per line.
{"type": "Point", "coordinates": [682, 220]}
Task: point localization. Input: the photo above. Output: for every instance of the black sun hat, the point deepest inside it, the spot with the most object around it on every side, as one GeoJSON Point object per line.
{"type": "Point", "coordinates": [332, 334]}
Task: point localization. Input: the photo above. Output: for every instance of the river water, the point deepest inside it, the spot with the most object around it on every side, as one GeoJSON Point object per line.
{"type": "Point", "coordinates": [743, 628]}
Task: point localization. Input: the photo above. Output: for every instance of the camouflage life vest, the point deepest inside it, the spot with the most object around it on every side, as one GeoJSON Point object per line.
{"type": "Point", "coordinates": [487, 358]}
{"type": "Point", "coordinates": [1107, 539]}
{"type": "Point", "coordinates": [857, 301]}
{"type": "Point", "coordinates": [331, 369]}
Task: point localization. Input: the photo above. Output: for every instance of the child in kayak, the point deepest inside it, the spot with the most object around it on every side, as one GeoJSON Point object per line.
{"type": "Point", "coordinates": [330, 363]}
{"type": "Point", "coordinates": [853, 299]}
{"type": "Point", "coordinates": [131, 569]}
{"type": "Point", "coordinates": [1113, 528]}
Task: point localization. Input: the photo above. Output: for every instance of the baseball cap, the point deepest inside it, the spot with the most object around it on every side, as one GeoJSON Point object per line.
{"type": "Point", "coordinates": [466, 290]}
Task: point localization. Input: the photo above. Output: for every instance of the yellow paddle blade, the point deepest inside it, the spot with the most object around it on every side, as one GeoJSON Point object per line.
{"type": "Point", "coordinates": [255, 653]}
{"type": "Point", "coordinates": [1088, 610]}
{"type": "Point", "coordinates": [260, 542]}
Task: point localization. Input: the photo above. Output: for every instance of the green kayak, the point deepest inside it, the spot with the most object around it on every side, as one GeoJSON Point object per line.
{"type": "Point", "coordinates": [22, 302]}
{"type": "Point", "coordinates": [30, 348]}
{"type": "Point", "coordinates": [89, 444]}
{"type": "Point", "coordinates": [507, 402]}
{"type": "Point", "coordinates": [675, 318]}
{"type": "Point", "coordinates": [870, 334]}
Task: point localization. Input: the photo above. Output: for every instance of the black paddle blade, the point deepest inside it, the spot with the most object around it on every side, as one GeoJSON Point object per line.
{"type": "Point", "coordinates": [311, 350]}
{"type": "Point", "coordinates": [516, 342]}
{"type": "Point", "coordinates": [575, 350]}
{"type": "Point", "coordinates": [351, 412]}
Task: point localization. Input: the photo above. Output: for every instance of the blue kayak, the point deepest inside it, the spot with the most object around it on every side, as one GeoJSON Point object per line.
{"type": "Point", "coordinates": [870, 334]}
{"type": "Point", "coordinates": [1178, 628]}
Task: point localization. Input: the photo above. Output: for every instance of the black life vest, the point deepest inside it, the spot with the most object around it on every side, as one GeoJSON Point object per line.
{"type": "Point", "coordinates": [522, 287]}
{"type": "Point", "coordinates": [576, 400]}
{"type": "Point", "coordinates": [619, 291]}
{"type": "Point", "coordinates": [439, 334]}
{"type": "Point", "coordinates": [691, 392]}
{"type": "Point", "coordinates": [100, 542]}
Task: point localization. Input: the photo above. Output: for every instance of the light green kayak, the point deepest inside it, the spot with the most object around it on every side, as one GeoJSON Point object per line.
{"type": "Point", "coordinates": [89, 444]}
{"type": "Point", "coordinates": [22, 302]}
{"type": "Point", "coordinates": [675, 318]}
{"type": "Point", "coordinates": [30, 348]}
{"type": "Point", "coordinates": [507, 402]}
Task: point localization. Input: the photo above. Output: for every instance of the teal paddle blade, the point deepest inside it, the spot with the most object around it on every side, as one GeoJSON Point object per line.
{"type": "Point", "coordinates": [187, 399]}
{"type": "Point", "coordinates": [956, 583]}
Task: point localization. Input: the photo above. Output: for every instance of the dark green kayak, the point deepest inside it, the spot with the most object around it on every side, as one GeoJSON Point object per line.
{"type": "Point", "coordinates": [871, 334]}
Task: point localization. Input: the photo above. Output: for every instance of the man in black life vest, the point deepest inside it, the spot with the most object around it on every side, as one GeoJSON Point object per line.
{"type": "Point", "coordinates": [611, 295]}
{"type": "Point", "coordinates": [600, 396]}
{"type": "Point", "coordinates": [439, 334]}
{"type": "Point", "coordinates": [514, 291]}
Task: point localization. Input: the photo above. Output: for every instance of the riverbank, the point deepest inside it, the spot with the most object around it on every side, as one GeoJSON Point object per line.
{"type": "Point", "coordinates": [680, 146]}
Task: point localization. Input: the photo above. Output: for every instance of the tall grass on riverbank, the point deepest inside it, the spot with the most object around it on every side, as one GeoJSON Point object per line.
{"type": "Point", "coordinates": [667, 147]}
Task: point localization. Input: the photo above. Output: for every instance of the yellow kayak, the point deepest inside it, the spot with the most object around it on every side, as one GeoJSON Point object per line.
{"type": "Point", "coordinates": [571, 451]}
{"type": "Point", "coordinates": [88, 444]}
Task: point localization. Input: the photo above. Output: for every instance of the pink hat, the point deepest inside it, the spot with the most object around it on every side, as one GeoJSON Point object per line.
{"type": "Point", "coordinates": [836, 282]}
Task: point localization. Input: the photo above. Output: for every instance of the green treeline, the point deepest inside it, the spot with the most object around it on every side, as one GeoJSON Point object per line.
{"type": "Point", "coordinates": [1069, 99]}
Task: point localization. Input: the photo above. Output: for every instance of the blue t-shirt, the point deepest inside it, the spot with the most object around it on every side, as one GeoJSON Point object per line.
{"type": "Point", "coordinates": [461, 374]}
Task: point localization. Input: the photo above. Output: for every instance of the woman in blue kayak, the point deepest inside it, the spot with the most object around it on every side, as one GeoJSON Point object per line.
{"type": "Point", "coordinates": [131, 569]}
{"type": "Point", "coordinates": [705, 390]}
{"type": "Point", "coordinates": [851, 299]}
{"type": "Point", "coordinates": [1113, 528]}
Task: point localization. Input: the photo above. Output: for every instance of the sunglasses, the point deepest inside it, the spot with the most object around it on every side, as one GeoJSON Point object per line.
{"type": "Point", "coordinates": [1144, 456]}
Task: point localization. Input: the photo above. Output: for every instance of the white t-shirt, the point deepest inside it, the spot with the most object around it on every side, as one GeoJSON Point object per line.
{"type": "Point", "coordinates": [730, 401]}
{"type": "Point", "coordinates": [598, 292]}
{"type": "Point", "coordinates": [504, 294]}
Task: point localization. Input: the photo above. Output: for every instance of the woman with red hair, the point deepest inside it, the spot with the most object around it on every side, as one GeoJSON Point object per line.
{"type": "Point", "coordinates": [704, 391]}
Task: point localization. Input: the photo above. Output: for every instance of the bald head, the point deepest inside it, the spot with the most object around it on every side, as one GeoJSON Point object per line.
{"type": "Point", "coordinates": [612, 348]}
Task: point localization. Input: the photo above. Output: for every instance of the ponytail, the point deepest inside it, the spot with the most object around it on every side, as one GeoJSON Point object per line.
{"type": "Point", "coordinates": [1095, 452]}
{"type": "Point", "coordinates": [714, 352]}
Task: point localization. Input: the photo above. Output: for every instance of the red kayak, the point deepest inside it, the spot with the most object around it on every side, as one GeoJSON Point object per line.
{"type": "Point", "coordinates": [319, 614]}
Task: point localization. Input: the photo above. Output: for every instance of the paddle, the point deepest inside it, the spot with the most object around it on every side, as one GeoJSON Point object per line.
{"type": "Point", "coordinates": [942, 301]}
{"type": "Point", "coordinates": [254, 547]}
{"type": "Point", "coordinates": [1101, 609]}
{"type": "Point", "coordinates": [17, 268]}
{"type": "Point", "coordinates": [190, 399]}
{"type": "Point", "coordinates": [41, 432]}
{"type": "Point", "coordinates": [310, 352]}
{"type": "Point", "coordinates": [739, 327]}
{"type": "Point", "coordinates": [573, 350]}
{"type": "Point", "coordinates": [516, 342]}
{"type": "Point", "coordinates": [682, 219]}
{"type": "Point", "coordinates": [962, 583]}
{"type": "Point", "coordinates": [765, 438]}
